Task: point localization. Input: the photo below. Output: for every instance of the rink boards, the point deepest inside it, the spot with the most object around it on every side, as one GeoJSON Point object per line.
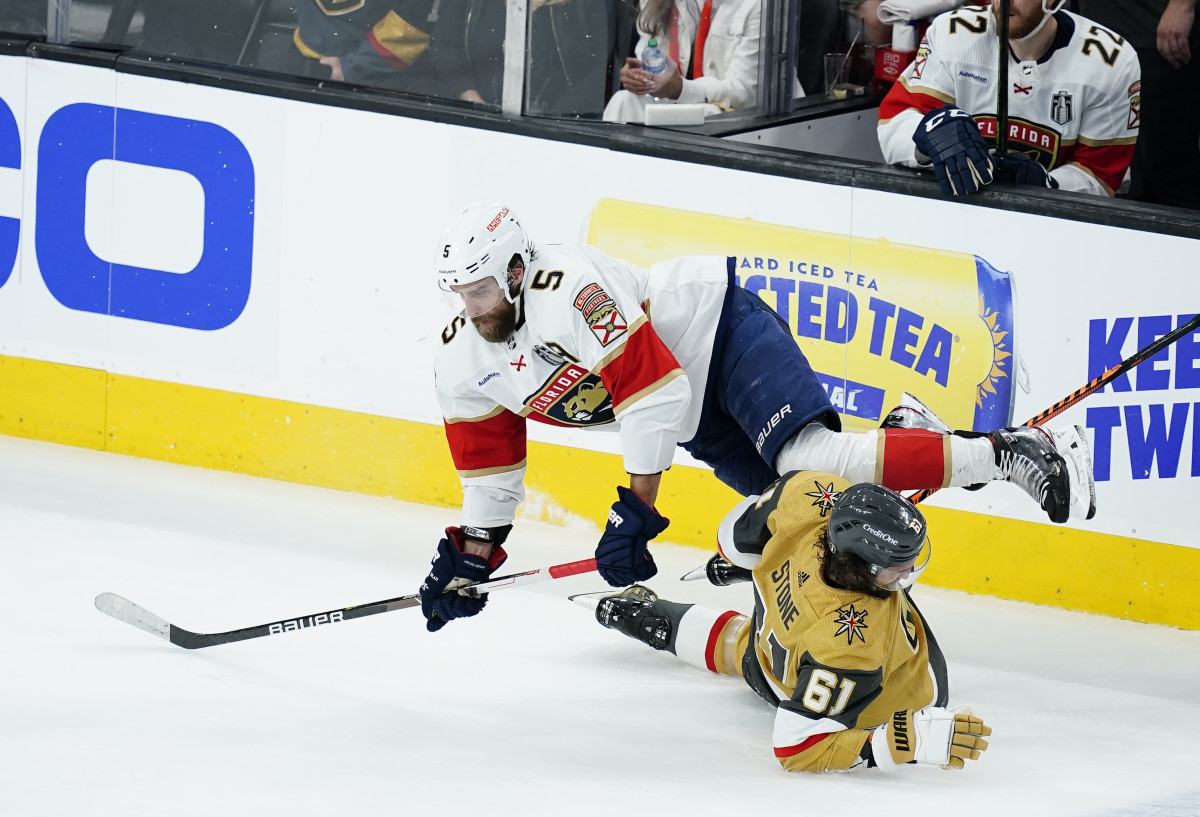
{"type": "Point", "coordinates": [242, 282]}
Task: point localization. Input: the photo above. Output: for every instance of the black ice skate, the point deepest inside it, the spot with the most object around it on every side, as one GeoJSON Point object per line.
{"type": "Point", "coordinates": [631, 612]}
{"type": "Point", "coordinates": [1054, 469]}
{"type": "Point", "coordinates": [912, 413]}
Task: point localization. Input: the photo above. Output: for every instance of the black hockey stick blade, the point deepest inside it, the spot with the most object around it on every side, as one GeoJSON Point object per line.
{"type": "Point", "coordinates": [125, 610]}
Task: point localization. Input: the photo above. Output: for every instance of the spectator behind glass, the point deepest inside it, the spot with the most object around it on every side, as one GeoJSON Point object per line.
{"type": "Point", "coordinates": [1166, 162]}
{"type": "Point", "coordinates": [1072, 102]}
{"type": "Point", "coordinates": [23, 16]}
{"type": "Point", "coordinates": [820, 33]}
{"type": "Point", "coordinates": [867, 11]}
{"type": "Point", "coordinates": [567, 54]}
{"type": "Point", "coordinates": [212, 32]}
{"type": "Point", "coordinates": [382, 43]}
{"type": "Point", "coordinates": [719, 69]}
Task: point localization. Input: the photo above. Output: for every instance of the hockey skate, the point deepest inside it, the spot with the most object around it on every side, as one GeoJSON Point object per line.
{"type": "Point", "coordinates": [632, 613]}
{"type": "Point", "coordinates": [1053, 468]}
{"type": "Point", "coordinates": [912, 413]}
{"type": "Point", "coordinates": [719, 572]}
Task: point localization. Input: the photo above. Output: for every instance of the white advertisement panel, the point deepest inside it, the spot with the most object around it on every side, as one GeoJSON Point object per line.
{"type": "Point", "coordinates": [262, 246]}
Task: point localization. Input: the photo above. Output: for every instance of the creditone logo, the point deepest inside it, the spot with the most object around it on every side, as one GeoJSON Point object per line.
{"type": "Point", "coordinates": [77, 137]}
{"type": "Point", "coordinates": [878, 534]}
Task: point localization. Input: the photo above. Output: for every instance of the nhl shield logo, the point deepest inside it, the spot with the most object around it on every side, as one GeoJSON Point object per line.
{"type": "Point", "coordinates": [1062, 107]}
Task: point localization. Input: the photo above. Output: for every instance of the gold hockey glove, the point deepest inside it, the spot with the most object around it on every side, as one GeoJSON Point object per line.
{"type": "Point", "coordinates": [936, 736]}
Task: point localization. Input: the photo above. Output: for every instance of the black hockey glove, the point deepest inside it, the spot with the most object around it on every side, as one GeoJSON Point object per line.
{"type": "Point", "coordinates": [1017, 168]}
{"type": "Point", "coordinates": [440, 601]}
{"type": "Point", "coordinates": [951, 140]}
{"type": "Point", "coordinates": [621, 556]}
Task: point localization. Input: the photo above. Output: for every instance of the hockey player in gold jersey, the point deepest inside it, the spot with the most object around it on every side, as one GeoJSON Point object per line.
{"type": "Point", "coordinates": [835, 642]}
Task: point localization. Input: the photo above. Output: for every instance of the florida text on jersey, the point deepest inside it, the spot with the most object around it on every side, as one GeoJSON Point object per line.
{"type": "Point", "coordinates": [1076, 110]}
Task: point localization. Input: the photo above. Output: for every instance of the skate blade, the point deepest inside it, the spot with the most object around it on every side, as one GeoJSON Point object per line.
{"type": "Point", "coordinates": [1072, 443]}
{"type": "Point", "coordinates": [695, 575]}
{"type": "Point", "coordinates": [590, 601]}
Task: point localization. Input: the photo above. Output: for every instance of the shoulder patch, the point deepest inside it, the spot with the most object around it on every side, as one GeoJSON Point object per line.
{"type": "Point", "coordinates": [823, 497]}
{"type": "Point", "coordinates": [851, 622]}
{"type": "Point", "coordinates": [920, 59]}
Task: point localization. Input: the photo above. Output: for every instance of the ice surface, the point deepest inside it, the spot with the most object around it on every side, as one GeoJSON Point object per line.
{"type": "Point", "coordinates": [531, 708]}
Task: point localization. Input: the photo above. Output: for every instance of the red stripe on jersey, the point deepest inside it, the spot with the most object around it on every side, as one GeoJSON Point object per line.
{"type": "Point", "coordinates": [807, 743]}
{"type": "Point", "coordinates": [382, 50]}
{"type": "Point", "coordinates": [495, 442]}
{"type": "Point", "coordinates": [644, 360]}
{"type": "Point", "coordinates": [714, 636]}
{"type": "Point", "coordinates": [899, 99]}
{"type": "Point", "coordinates": [913, 458]}
{"type": "Point", "coordinates": [1107, 163]}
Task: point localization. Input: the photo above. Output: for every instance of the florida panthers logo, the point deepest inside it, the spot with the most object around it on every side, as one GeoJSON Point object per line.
{"type": "Point", "coordinates": [573, 396]}
{"type": "Point", "coordinates": [585, 402]}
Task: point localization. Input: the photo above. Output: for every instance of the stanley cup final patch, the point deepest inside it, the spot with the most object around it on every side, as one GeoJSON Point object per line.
{"type": "Point", "coordinates": [600, 312]}
{"type": "Point", "coordinates": [1062, 107]}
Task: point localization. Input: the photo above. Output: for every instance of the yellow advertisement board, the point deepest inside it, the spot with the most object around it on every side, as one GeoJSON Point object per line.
{"type": "Point", "coordinates": [874, 318]}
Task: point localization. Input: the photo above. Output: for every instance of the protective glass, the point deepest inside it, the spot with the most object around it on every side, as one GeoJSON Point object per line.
{"type": "Point", "coordinates": [890, 578]}
{"type": "Point", "coordinates": [478, 298]}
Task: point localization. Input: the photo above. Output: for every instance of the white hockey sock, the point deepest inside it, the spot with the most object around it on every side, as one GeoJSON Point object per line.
{"type": "Point", "coordinates": [858, 457]}
{"type": "Point", "coordinates": [707, 638]}
{"type": "Point", "coordinates": [971, 461]}
{"type": "Point", "coordinates": [817, 448]}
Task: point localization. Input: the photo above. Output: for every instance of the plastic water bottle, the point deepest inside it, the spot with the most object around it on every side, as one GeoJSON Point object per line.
{"type": "Point", "coordinates": [654, 63]}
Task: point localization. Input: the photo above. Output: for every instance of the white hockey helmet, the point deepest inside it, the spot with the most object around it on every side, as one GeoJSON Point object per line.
{"type": "Point", "coordinates": [477, 246]}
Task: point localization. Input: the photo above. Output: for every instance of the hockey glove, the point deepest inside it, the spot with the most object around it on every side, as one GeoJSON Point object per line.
{"type": "Point", "coordinates": [951, 140]}
{"type": "Point", "coordinates": [936, 736]}
{"type": "Point", "coordinates": [441, 598]}
{"type": "Point", "coordinates": [1017, 168]}
{"type": "Point", "coordinates": [621, 556]}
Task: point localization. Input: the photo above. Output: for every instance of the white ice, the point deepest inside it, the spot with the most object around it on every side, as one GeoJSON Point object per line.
{"type": "Point", "coordinates": [530, 708]}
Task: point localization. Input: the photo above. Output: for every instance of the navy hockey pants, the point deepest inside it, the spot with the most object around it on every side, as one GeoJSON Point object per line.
{"type": "Point", "coordinates": [760, 392]}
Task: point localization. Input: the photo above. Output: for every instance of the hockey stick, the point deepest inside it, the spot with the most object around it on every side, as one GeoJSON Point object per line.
{"type": "Point", "coordinates": [1002, 78]}
{"type": "Point", "coordinates": [1097, 383]}
{"type": "Point", "coordinates": [719, 571]}
{"type": "Point", "coordinates": [125, 610]}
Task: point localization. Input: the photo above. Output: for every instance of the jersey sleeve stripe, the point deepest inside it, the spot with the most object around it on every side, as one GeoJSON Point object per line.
{"type": "Point", "coordinates": [901, 98]}
{"type": "Point", "coordinates": [1098, 143]}
{"type": "Point", "coordinates": [644, 365]}
{"type": "Point", "coordinates": [653, 387]}
{"type": "Point", "coordinates": [492, 445]}
{"type": "Point", "coordinates": [480, 418]}
{"type": "Point", "coordinates": [793, 733]}
{"type": "Point", "coordinates": [807, 743]}
{"type": "Point", "coordinates": [487, 472]}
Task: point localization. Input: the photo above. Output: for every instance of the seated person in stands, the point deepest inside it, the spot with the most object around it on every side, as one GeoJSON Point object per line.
{"type": "Point", "coordinates": [1073, 99]}
{"type": "Point", "coordinates": [567, 54]}
{"type": "Point", "coordinates": [714, 49]}
{"type": "Point", "coordinates": [23, 16]}
{"type": "Point", "coordinates": [382, 43]}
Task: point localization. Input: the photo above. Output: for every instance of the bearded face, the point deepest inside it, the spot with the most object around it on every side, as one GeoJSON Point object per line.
{"type": "Point", "coordinates": [497, 324]}
{"type": "Point", "coordinates": [1023, 17]}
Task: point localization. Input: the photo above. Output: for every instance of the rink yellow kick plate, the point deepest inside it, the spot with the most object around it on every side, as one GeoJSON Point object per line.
{"type": "Point", "coordinates": [1041, 563]}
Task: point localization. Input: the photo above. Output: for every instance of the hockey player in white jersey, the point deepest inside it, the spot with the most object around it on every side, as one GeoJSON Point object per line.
{"type": "Point", "coordinates": [675, 355]}
{"type": "Point", "coordinates": [1074, 101]}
